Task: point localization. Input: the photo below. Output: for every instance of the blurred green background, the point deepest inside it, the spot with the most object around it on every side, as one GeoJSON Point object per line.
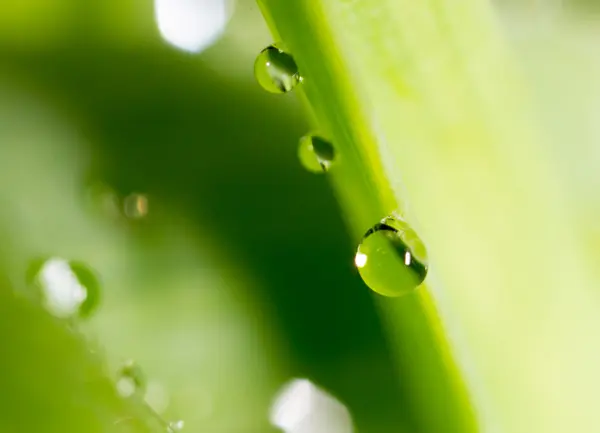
{"type": "Point", "coordinates": [239, 277]}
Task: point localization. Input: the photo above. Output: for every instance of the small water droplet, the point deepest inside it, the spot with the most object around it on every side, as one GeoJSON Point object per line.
{"type": "Point", "coordinates": [316, 154]}
{"type": "Point", "coordinates": [276, 71]}
{"type": "Point", "coordinates": [391, 258]}
{"type": "Point", "coordinates": [175, 426]}
{"type": "Point", "coordinates": [131, 380]}
{"type": "Point", "coordinates": [67, 288]}
{"type": "Point", "coordinates": [135, 206]}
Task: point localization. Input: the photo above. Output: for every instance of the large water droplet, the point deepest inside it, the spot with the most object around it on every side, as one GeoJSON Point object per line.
{"type": "Point", "coordinates": [391, 258]}
{"type": "Point", "coordinates": [316, 154]}
{"type": "Point", "coordinates": [131, 380]}
{"type": "Point", "coordinates": [67, 288]}
{"type": "Point", "coordinates": [175, 426]}
{"type": "Point", "coordinates": [276, 71]}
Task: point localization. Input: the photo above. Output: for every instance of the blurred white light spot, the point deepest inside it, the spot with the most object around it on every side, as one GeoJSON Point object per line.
{"type": "Point", "coordinates": [156, 396]}
{"type": "Point", "coordinates": [192, 25]}
{"type": "Point", "coordinates": [301, 407]}
{"type": "Point", "coordinates": [176, 426]}
{"type": "Point", "coordinates": [360, 260]}
{"type": "Point", "coordinates": [407, 258]}
{"type": "Point", "coordinates": [126, 387]}
{"type": "Point", "coordinates": [293, 404]}
{"type": "Point", "coordinates": [63, 294]}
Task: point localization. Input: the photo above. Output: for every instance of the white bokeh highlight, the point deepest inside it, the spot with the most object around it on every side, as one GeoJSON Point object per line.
{"type": "Point", "coordinates": [63, 294]}
{"type": "Point", "coordinates": [156, 396]}
{"type": "Point", "coordinates": [192, 25]}
{"type": "Point", "coordinates": [302, 407]}
{"type": "Point", "coordinates": [360, 260]}
{"type": "Point", "coordinates": [126, 387]}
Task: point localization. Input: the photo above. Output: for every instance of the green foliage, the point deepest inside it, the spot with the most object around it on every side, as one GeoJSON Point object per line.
{"type": "Point", "coordinates": [240, 276]}
{"type": "Point", "coordinates": [50, 373]}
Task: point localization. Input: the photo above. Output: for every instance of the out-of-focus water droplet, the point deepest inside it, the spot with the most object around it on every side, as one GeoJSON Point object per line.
{"type": "Point", "coordinates": [302, 407]}
{"type": "Point", "coordinates": [192, 25]}
{"type": "Point", "coordinates": [67, 288]}
{"type": "Point", "coordinates": [156, 396]}
{"type": "Point", "coordinates": [276, 71]}
{"type": "Point", "coordinates": [131, 380]}
{"type": "Point", "coordinates": [135, 206]}
{"type": "Point", "coordinates": [316, 154]}
{"type": "Point", "coordinates": [175, 426]}
{"type": "Point", "coordinates": [391, 258]}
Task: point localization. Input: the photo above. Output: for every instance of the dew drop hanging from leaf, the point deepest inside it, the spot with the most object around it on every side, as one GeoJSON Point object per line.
{"type": "Point", "coordinates": [391, 258]}
{"type": "Point", "coordinates": [315, 153]}
{"type": "Point", "coordinates": [276, 71]}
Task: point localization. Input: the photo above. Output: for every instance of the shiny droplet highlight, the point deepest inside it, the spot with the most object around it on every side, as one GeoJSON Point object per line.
{"type": "Point", "coordinates": [175, 426]}
{"type": "Point", "coordinates": [391, 258]}
{"type": "Point", "coordinates": [66, 288]}
{"type": "Point", "coordinates": [315, 153]}
{"type": "Point", "coordinates": [276, 71]}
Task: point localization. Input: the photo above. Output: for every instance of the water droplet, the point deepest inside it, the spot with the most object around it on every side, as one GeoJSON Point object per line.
{"type": "Point", "coordinates": [391, 258]}
{"type": "Point", "coordinates": [276, 71]}
{"type": "Point", "coordinates": [131, 380]}
{"type": "Point", "coordinates": [301, 406]}
{"type": "Point", "coordinates": [67, 288]}
{"type": "Point", "coordinates": [175, 426]}
{"type": "Point", "coordinates": [135, 206]}
{"type": "Point", "coordinates": [316, 154]}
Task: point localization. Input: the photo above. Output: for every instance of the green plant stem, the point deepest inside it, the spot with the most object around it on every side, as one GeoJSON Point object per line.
{"type": "Point", "coordinates": [317, 33]}
{"type": "Point", "coordinates": [422, 102]}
